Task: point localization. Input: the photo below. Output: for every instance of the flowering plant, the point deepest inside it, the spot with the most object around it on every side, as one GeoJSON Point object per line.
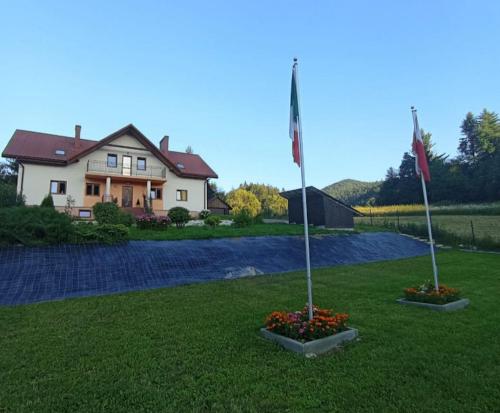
{"type": "Point", "coordinates": [297, 325]}
{"type": "Point", "coordinates": [426, 293]}
{"type": "Point", "coordinates": [148, 221]}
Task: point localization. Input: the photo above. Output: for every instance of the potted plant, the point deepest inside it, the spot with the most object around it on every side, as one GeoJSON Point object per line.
{"type": "Point", "coordinates": [296, 332]}
{"type": "Point", "coordinates": [426, 295]}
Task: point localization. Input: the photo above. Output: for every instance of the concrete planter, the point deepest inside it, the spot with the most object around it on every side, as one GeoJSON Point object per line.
{"type": "Point", "coordinates": [453, 306]}
{"type": "Point", "coordinates": [315, 347]}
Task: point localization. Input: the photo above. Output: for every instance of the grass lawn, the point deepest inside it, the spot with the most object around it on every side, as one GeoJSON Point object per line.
{"type": "Point", "coordinates": [193, 232]}
{"type": "Point", "coordinates": [196, 348]}
{"type": "Point", "coordinates": [484, 225]}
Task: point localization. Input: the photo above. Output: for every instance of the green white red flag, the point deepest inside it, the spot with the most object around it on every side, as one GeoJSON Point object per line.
{"type": "Point", "coordinates": [295, 118]}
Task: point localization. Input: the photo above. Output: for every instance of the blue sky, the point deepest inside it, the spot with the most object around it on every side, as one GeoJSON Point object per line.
{"type": "Point", "coordinates": [216, 75]}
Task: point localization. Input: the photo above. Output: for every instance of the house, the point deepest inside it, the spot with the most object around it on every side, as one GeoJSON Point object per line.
{"type": "Point", "coordinates": [215, 204]}
{"type": "Point", "coordinates": [124, 167]}
{"type": "Point", "coordinates": [322, 209]}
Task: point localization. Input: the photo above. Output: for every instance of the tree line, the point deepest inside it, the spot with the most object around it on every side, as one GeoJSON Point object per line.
{"type": "Point", "coordinates": [472, 176]}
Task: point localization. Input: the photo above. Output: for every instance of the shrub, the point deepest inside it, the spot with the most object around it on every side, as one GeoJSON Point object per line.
{"type": "Point", "coordinates": [297, 325]}
{"type": "Point", "coordinates": [179, 216]}
{"type": "Point", "coordinates": [212, 221]}
{"type": "Point", "coordinates": [86, 233]}
{"type": "Point", "coordinates": [426, 293]}
{"type": "Point", "coordinates": [110, 213]}
{"type": "Point", "coordinates": [242, 219]}
{"type": "Point", "coordinates": [47, 202]}
{"type": "Point", "coordinates": [153, 222]}
{"type": "Point", "coordinates": [241, 199]}
{"type": "Point", "coordinates": [9, 196]}
{"type": "Point", "coordinates": [34, 226]}
{"type": "Point", "coordinates": [204, 214]}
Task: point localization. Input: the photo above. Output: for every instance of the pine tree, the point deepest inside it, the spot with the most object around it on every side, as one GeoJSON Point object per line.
{"type": "Point", "coordinates": [469, 143]}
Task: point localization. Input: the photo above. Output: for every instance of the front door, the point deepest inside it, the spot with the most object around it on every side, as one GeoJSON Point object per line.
{"type": "Point", "coordinates": [126, 165]}
{"type": "Point", "coordinates": [127, 196]}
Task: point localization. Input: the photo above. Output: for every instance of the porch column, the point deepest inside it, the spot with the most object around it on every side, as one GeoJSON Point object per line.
{"type": "Point", "coordinates": [148, 195]}
{"type": "Point", "coordinates": [107, 193]}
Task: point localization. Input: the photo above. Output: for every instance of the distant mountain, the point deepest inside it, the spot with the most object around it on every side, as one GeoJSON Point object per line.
{"type": "Point", "coordinates": [354, 192]}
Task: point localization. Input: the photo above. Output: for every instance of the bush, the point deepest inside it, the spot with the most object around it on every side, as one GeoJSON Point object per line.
{"type": "Point", "coordinates": [153, 222]}
{"type": "Point", "coordinates": [87, 233]}
{"type": "Point", "coordinates": [426, 293]}
{"type": "Point", "coordinates": [47, 202]}
{"type": "Point", "coordinates": [242, 219]}
{"type": "Point", "coordinates": [241, 199]}
{"type": "Point", "coordinates": [204, 214]}
{"type": "Point", "coordinates": [212, 221]}
{"type": "Point", "coordinates": [110, 213]}
{"type": "Point", "coordinates": [179, 216]}
{"type": "Point", "coordinates": [297, 325]}
{"type": "Point", "coordinates": [34, 226]}
{"type": "Point", "coordinates": [9, 196]}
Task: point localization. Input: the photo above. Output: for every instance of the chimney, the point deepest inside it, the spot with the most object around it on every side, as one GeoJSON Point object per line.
{"type": "Point", "coordinates": [78, 129]}
{"type": "Point", "coordinates": [164, 145]}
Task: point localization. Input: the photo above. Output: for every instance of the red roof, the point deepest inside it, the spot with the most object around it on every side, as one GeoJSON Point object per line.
{"type": "Point", "coordinates": [190, 164]}
{"type": "Point", "coordinates": [40, 147]}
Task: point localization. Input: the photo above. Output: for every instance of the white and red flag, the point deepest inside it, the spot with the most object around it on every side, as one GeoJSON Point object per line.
{"type": "Point", "coordinates": [295, 118]}
{"type": "Point", "coordinates": [421, 165]}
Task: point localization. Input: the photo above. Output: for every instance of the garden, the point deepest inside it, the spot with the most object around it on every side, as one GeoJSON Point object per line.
{"type": "Point", "coordinates": [198, 348]}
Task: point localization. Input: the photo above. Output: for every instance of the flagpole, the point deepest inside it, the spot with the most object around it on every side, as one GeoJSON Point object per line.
{"type": "Point", "coordinates": [304, 201]}
{"type": "Point", "coordinates": [427, 212]}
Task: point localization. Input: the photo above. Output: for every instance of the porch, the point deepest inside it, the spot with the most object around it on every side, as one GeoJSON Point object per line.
{"type": "Point", "coordinates": [128, 192]}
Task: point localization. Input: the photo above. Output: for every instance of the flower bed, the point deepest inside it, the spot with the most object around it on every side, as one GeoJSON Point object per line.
{"type": "Point", "coordinates": [426, 293]}
{"type": "Point", "coordinates": [296, 325]}
{"type": "Point", "coordinates": [153, 222]}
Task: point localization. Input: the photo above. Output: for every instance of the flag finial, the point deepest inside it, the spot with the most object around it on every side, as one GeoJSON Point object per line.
{"type": "Point", "coordinates": [413, 109]}
{"type": "Point", "coordinates": [295, 60]}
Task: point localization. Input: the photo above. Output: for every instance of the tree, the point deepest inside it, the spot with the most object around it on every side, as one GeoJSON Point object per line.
{"type": "Point", "coordinates": [469, 144]}
{"type": "Point", "coordinates": [189, 149]}
{"type": "Point", "coordinates": [489, 131]}
{"type": "Point", "coordinates": [242, 200]}
{"type": "Point", "coordinates": [8, 171]}
{"type": "Point", "coordinates": [273, 204]}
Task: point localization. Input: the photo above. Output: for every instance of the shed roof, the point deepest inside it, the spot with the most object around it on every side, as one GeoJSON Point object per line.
{"type": "Point", "coordinates": [311, 190]}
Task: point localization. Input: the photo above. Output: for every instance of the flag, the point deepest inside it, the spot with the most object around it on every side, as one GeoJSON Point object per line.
{"type": "Point", "coordinates": [294, 118]}
{"type": "Point", "coordinates": [421, 165]}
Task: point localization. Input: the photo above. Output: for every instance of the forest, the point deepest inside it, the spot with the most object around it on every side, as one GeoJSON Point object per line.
{"type": "Point", "coordinates": [472, 176]}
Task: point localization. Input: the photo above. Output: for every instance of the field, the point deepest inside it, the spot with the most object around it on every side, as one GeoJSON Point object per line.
{"type": "Point", "coordinates": [487, 226]}
{"type": "Point", "coordinates": [492, 208]}
{"type": "Point", "coordinates": [197, 348]}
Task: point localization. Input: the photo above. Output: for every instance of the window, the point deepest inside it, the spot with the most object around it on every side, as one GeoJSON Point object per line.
{"type": "Point", "coordinates": [180, 165]}
{"type": "Point", "coordinates": [155, 193]}
{"type": "Point", "coordinates": [112, 160]}
{"type": "Point", "coordinates": [141, 164]}
{"type": "Point", "coordinates": [60, 152]}
{"type": "Point", "coordinates": [182, 195]}
{"type": "Point", "coordinates": [58, 187]}
{"type": "Point", "coordinates": [93, 189]}
{"type": "Point", "coordinates": [84, 213]}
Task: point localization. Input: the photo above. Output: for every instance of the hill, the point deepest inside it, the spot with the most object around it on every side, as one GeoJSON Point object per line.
{"type": "Point", "coordinates": [354, 192]}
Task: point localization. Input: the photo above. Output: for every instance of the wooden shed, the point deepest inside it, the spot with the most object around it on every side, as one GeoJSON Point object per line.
{"type": "Point", "coordinates": [215, 204]}
{"type": "Point", "coordinates": [322, 209]}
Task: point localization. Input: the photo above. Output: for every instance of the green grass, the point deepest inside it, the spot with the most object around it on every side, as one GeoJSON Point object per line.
{"type": "Point", "coordinates": [193, 232]}
{"type": "Point", "coordinates": [197, 348]}
{"type": "Point", "coordinates": [487, 226]}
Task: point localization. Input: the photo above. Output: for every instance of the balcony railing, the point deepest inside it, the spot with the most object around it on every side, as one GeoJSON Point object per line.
{"type": "Point", "coordinates": [102, 167]}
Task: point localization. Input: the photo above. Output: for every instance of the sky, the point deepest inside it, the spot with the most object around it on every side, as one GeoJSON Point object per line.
{"type": "Point", "coordinates": [215, 75]}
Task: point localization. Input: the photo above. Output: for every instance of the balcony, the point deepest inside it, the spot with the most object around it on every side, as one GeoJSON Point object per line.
{"type": "Point", "coordinates": [101, 168]}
